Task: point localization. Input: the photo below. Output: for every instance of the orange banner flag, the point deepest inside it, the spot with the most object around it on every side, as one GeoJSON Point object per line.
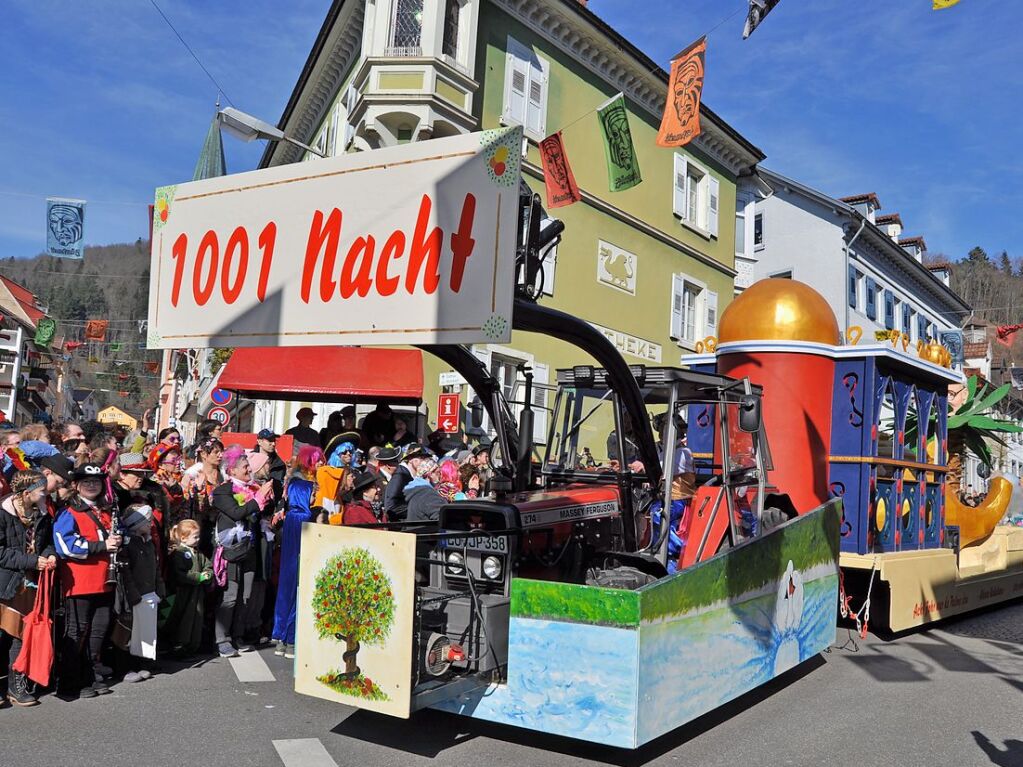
{"type": "Point", "coordinates": [557, 173]}
{"type": "Point", "coordinates": [96, 330]}
{"type": "Point", "coordinates": [681, 121]}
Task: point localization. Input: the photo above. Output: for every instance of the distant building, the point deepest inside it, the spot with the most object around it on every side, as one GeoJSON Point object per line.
{"type": "Point", "coordinates": [35, 383]}
{"type": "Point", "coordinates": [86, 408]}
{"type": "Point", "coordinates": [114, 415]}
{"type": "Point", "coordinates": [871, 275]}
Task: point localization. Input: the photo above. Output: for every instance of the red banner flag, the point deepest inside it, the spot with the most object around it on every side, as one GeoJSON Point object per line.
{"type": "Point", "coordinates": [680, 123]}
{"type": "Point", "coordinates": [72, 345]}
{"type": "Point", "coordinates": [557, 173]}
{"type": "Point", "coordinates": [96, 330]}
{"type": "Point", "coordinates": [1007, 332]}
{"type": "Point", "coordinates": [152, 367]}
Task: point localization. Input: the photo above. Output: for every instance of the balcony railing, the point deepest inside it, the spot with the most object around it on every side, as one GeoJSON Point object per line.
{"type": "Point", "coordinates": [403, 52]}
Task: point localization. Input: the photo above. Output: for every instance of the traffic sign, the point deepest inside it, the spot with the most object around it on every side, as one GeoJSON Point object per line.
{"type": "Point", "coordinates": [221, 397]}
{"type": "Point", "coordinates": [219, 414]}
{"type": "Point", "coordinates": [447, 413]}
{"type": "Point", "coordinates": [451, 378]}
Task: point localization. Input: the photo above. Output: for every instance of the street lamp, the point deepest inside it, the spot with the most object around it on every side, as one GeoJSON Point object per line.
{"type": "Point", "coordinates": [248, 128]}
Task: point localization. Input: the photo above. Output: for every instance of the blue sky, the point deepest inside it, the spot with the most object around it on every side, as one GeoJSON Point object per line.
{"type": "Point", "coordinates": [100, 101]}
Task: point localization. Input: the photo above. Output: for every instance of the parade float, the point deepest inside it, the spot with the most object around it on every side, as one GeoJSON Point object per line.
{"type": "Point", "coordinates": [871, 422]}
{"type": "Point", "coordinates": [551, 604]}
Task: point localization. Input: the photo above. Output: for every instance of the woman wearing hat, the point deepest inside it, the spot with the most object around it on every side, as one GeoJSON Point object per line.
{"type": "Point", "coordinates": [365, 493]}
{"type": "Point", "coordinates": [165, 462]}
{"type": "Point", "coordinates": [301, 491]}
{"type": "Point", "coordinates": [84, 543]}
{"type": "Point", "coordinates": [26, 548]}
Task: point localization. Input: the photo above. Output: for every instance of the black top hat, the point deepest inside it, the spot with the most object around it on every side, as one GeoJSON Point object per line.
{"type": "Point", "coordinates": [89, 471]}
{"type": "Point", "coordinates": [364, 480]}
{"type": "Point", "coordinates": [388, 454]}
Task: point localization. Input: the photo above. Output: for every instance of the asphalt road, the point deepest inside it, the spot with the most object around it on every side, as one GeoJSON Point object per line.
{"type": "Point", "coordinates": [948, 696]}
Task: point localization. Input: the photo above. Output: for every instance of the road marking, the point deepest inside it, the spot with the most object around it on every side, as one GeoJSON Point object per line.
{"type": "Point", "coordinates": [303, 752]}
{"type": "Point", "coordinates": [250, 667]}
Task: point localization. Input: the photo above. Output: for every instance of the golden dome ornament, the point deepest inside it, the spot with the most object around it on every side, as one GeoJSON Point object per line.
{"type": "Point", "coordinates": [778, 310]}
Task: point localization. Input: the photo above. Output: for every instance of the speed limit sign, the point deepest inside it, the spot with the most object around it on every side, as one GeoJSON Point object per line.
{"type": "Point", "coordinates": [219, 414]}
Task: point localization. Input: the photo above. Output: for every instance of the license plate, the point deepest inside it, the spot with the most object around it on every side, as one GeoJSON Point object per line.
{"type": "Point", "coordinates": [490, 543]}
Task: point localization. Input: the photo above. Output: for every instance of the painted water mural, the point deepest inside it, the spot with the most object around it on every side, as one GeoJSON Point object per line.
{"type": "Point", "coordinates": [622, 667]}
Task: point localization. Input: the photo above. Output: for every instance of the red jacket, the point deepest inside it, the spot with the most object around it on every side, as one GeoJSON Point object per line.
{"type": "Point", "coordinates": [79, 537]}
{"type": "Point", "coordinates": [359, 513]}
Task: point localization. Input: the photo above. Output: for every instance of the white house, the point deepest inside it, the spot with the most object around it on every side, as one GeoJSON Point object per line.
{"type": "Point", "coordinates": [858, 260]}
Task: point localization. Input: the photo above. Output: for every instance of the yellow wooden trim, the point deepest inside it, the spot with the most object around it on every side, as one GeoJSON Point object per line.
{"type": "Point", "coordinates": [887, 462]}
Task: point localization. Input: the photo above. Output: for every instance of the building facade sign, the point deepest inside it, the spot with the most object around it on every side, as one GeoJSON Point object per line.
{"type": "Point", "coordinates": [413, 244]}
{"type": "Point", "coordinates": [616, 267]}
{"type": "Point", "coordinates": [640, 348]}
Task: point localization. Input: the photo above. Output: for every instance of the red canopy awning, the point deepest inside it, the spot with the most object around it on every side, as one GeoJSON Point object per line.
{"type": "Point", "coordinates": [349, 374]}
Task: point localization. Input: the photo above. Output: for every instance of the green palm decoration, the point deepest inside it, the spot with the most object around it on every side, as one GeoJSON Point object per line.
{"type": "Point", "coordinates": [971, 426]}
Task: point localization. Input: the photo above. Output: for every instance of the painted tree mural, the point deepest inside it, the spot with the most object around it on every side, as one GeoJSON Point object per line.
{"type": "Point", "coordinates": [353, 602]}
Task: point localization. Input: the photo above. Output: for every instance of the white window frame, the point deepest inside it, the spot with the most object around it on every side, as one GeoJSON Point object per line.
{"type": "Point", "coordinates": [690, 181]}
{"type": "Point", "coordinates": [705, 311]}
{"type": "Point", "coordinates": [527, 108]}
{"type": "Point", "coordinates": [541, 387]}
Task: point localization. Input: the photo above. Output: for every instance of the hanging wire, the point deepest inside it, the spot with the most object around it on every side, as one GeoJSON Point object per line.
{"type": "Point", "coordinates": [188, 48]}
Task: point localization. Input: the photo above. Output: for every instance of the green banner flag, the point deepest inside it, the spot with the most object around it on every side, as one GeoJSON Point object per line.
{"type": "Point", "coordinates": [115, 347]}
{"type": "Point", "coordinates": [46, 328]}
{"type": "Point", "coordinates": [622, 164]}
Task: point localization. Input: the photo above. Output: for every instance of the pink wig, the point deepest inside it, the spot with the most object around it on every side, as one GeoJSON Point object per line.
{"type": "Point", "coordinates": [232, 457]}
{"type": "Point", "coordinates": [308, 458]}
{"type": "Point", "coordinates": [449, 471]}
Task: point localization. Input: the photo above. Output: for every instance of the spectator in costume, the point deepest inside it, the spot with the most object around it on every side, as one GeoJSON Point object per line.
{"type": "Point", "coordinates": [301, 491]}
{"type": "Point", "coordinates": [83, 541]}
{"type": "Point", "coordinates": [26, 549]}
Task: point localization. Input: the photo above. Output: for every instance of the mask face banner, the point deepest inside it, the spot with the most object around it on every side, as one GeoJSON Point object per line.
{"type": "Point", "coordinates": [680, 123]}
{"type": "Point", "coordinates": [619, 151]}
{"type": "Point", "coordinates": [557, 173]}
{"type": "Point", "coordinates": [65, 227]}
{"type": "Point", "coordinates": [758, 9]}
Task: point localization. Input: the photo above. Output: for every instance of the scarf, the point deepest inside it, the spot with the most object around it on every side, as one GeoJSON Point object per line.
{"type": "Point", "coordinates": [447, 490]}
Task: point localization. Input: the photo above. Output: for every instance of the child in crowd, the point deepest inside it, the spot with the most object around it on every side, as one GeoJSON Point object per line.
{"type": "Point", "coordinates": [143, 586]}
{"type": "Point", "coordinates": [189, 573]}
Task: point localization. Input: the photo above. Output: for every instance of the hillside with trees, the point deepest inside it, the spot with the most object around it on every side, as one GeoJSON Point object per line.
{"type": "Point", "coordinates": [111, 282]}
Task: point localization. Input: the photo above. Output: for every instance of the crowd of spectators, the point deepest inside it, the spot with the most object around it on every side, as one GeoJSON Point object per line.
{"type": "Point", "coordinates": [140, 548]}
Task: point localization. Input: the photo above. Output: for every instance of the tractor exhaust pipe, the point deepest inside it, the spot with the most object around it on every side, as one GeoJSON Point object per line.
{"type": "Point", "coordinates": [524, 467]}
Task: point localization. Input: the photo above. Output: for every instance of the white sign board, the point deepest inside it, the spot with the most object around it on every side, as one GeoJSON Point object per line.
{"type": "Point", "coordinates": [406, 245]}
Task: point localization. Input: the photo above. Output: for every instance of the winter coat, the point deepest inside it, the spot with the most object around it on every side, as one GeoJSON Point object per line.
{"type": "Point", "coordinates": [15, 563]}
{"type": "Point", "coordinates": [230, 512]}
{"type": "Point", "coordinates": [142, 575]}
{"type": "Point", "coordinates": [395, 503]}
{"type": "Point", "coordinates": [184, 623]}
{"type": "Point", "coordinates": [359, 513]}
{"type": "Point", "coordinates": [424, 502]}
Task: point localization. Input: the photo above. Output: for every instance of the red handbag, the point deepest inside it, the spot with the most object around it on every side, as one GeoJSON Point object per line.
{"type": "Point", "coordinates": [36, 658]}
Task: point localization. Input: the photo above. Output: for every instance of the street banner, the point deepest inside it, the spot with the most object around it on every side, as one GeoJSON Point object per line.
{"type": "Point", "coordinates": [46, 328]}
{"type": "Point", "coordinates": [96, 330]}
{"type": "Point", "coordinates": [413, 244]}
{"type": "Point", "coordinates": [65, 227]}
{"type": "Point", "coordinates": [1006, 333]}
{"type": "Point", "coordinates": [680, 123]}
{"type": "Point", "coordinates": [953, 341]}
{"type": "Point", "coordinates": [619, 151]}
{"type": "Point", "coordinates": [758, 9]}
{"type": "Point", "coordinates": [557, 173]}
{"type": "Point", "coordinates": [942, 4]}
